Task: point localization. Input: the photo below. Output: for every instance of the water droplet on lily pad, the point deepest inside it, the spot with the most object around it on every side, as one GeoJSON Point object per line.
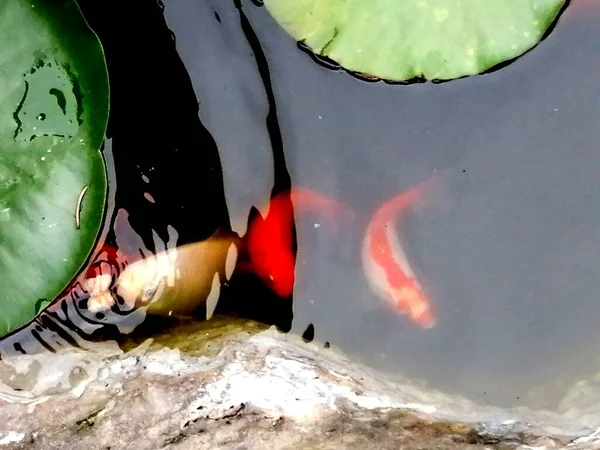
{"type": "Point", "coordinates": [400, 40]}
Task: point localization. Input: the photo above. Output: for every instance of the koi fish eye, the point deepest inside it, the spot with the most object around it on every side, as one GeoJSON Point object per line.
{"type": "Point", "coordinates": [152, 290]}
{"type": "Point", "coordinates": [149, 293]}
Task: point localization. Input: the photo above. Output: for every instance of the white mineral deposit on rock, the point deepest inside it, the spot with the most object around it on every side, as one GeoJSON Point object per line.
{"type": "Point", "coordinates": [267, 390]}
{"type": "Point", "coordinates": [11, 437]}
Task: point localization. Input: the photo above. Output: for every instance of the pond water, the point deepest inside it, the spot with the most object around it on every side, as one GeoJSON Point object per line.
{"type": "Point", "coordinates": [506, 244]}
{"type": "Point", "coordinates": [507, 249]}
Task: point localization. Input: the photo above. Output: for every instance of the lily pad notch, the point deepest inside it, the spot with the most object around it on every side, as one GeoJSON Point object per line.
{"type": "Point", "coordinates": [407, 41]}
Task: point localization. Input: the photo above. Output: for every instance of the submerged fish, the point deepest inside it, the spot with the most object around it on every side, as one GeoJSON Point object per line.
{"type": "Point", "coordinates": [269, 245]}
{"type": "Point", "coordinates": [270, 239]}
{"type": "Point", "coordinates": [385, 264]}
{"type": "Point", "coordinates": [174, 281]}
{"type": "Point", "coordinates": [180, 279]}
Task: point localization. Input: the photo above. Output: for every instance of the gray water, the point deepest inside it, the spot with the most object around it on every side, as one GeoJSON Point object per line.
{"type": "Point", "coordinates": [510, 248]}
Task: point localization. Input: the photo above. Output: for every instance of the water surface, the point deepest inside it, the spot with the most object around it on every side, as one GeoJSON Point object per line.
{"type": "Point", "coordinates": [507, 245]}
{"type": "Point", "coordinates": [508, 249]}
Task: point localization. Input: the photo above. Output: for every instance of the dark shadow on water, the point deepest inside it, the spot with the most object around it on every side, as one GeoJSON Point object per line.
{"type": "Point", "coordinates": [160, 146]}
{"type": "Point", "coordinates": [168, 180]}
{"type": "Point", "coordinates": [158, 136]}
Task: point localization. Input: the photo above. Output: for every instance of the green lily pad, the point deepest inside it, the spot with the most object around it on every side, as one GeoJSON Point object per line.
{"type": "Point", "coordinates": [53, 117]}
{"type": "Point", "coordinates": [400, 40]}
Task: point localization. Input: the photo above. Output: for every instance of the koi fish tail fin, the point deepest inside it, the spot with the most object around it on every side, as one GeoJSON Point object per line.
{"type": "Point", "coordinates": [268, 245]}
{"type": "Point", "coordinates": [407, 199]}
{"type": "Point", "coordinates": [418, 192]}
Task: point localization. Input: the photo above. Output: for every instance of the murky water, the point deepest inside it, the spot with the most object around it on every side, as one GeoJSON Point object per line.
{"type": "Point", "coordinates": [506, 245]}
{"type": "Point", "coordinates": [507, 248]}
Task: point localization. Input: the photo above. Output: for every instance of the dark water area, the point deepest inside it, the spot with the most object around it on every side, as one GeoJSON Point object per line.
{"type": "Point", "coordinates": [215, 109]}
{"type": "Point", "coordinates": [168, 172]}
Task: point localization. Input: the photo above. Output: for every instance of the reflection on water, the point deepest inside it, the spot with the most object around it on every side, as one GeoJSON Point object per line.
{"type": "Point", "coordinates": [484, 286]}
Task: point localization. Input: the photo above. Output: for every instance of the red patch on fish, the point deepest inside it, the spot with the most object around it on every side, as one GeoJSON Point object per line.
{"type": "Point", "coordinates": [270, 239]}
{"type": "Point", "coordinates": [385, 263]}
{"type": "Point", "coordinates": [108, 261]}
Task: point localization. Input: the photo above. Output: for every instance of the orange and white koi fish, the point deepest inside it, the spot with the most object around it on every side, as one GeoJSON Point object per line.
{"type": "Point", "coordinates": [385, 263]}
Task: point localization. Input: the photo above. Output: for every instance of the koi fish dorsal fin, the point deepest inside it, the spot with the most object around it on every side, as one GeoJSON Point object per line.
{"type": "Point", "coordinates": [269, 244]}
